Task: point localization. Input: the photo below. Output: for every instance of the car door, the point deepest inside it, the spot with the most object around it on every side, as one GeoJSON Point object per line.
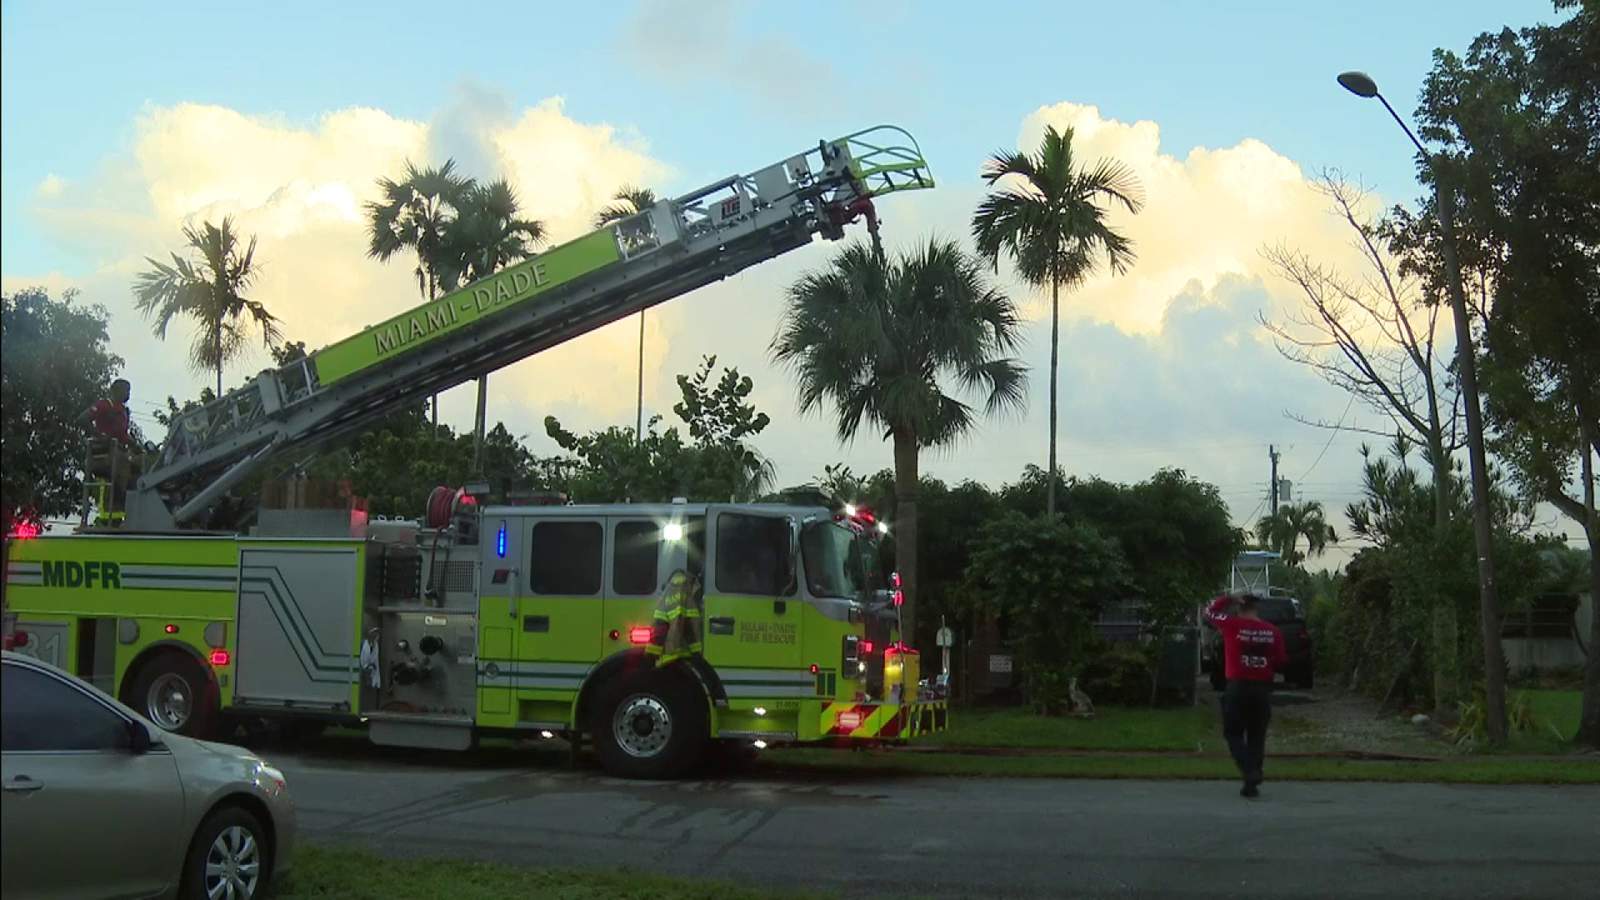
{"type": "Point", "coordinates": [635, 577]}
{"type": "Point", "coordinates": [752, 600]}
{"type": "Point", "coordinates": [84, 814]}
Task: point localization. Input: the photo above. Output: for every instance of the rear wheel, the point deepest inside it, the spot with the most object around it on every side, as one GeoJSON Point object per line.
{"type": "Point", "coordinates": [172, 691]}
{"type": "Point", "coordinates": [229, 858]}
{"type": "Point", "coordinates": [650, 724]}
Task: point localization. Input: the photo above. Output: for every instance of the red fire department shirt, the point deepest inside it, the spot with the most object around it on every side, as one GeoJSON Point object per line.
{"type": "Point", "coordinates": [1252, 649]}
{"type": "Point", "coordinates": [110, 419]}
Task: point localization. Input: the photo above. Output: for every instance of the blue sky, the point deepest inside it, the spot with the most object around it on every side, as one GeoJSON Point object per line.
{"type": "Point", "coordinates": [959, 75]}
{"type": "Point", "coordinates": [120, 121]}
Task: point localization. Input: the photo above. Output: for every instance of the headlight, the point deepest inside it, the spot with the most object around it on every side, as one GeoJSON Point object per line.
{"type": "Point", "coordinates": [270, 777]}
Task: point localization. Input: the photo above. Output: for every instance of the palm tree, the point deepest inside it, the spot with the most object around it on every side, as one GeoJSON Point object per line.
{"type": "Point", "coordinates": [1282, 531]}
{"type": "Point", "coordinates": [414, 214]}
{"type": "Point", "coordinates": [880, 341]}
{"type": "Point", "coordinates": [486, 234]}
{"type": "Point", "coordinates": [209, 290]}
{"type": "Point", "coordinates": [1047, 214]}
{"type": "Point", "coordinates": [630, 201]}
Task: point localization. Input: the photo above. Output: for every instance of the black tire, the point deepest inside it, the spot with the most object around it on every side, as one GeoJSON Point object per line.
{"type": "Point", "coordinates": [211, 843]}
{"type": "Point", "coordinates": [159, 679]}
{"type": "Point", "coordinates": [663, 723]}
{"type": "Point", "coordinates": [1305, 679]}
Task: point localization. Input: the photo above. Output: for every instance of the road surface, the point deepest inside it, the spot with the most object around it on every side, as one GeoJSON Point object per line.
{"type": "Point", "coordinates": [958, 837]}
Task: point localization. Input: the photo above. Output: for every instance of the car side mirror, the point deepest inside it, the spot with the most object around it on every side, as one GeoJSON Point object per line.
{"type": "Point", "coordinates": [139, 741]}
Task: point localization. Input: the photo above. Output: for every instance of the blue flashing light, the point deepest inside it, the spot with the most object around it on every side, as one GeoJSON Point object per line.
{"type": "Point", "coordinates": [500, 542]}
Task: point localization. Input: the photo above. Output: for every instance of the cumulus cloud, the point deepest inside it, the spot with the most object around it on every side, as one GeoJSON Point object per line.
{"type": "Point", "coordinates": [1207, 214]}
{"type": "Point", "coordinates": [300, 188]}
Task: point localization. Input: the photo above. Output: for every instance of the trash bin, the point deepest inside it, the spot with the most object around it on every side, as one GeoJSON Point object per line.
{"type": "Point", "coordinates": [1175, 679]}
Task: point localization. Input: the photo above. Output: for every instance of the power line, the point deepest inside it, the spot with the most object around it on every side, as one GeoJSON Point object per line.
{"type": "Point", "coordinates": [1334, 434]}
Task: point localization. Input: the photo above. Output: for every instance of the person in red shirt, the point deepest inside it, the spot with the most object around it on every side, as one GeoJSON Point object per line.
{"type": "Point", "coordinates": [1252, 650]}
{"type": "Point", "coordinates": [109, 415]}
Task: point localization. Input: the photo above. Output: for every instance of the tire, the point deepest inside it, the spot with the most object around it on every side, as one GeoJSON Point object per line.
{"type": "Point", "coordinates": [650, 724]}
{"type": "Point", "coordinates": [1306, 680]}
{"type": "Point", "coordinates": [173, 691]}
{"type": "Point", "coordinates": [229, 835]}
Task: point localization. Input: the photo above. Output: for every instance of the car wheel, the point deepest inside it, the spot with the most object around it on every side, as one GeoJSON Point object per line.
{"type": "Point", "coordinates": [650, 724]}
{"type": "Point", "coordinates": [173, 691]}
{"type": "Point", "coordinates": [229, 858]}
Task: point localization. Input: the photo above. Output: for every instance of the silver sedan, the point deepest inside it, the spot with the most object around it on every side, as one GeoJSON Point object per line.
{"type": "Point", "coordinates": [100, 803]}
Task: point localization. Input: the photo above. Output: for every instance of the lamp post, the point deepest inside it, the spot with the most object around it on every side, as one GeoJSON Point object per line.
{"type": "Point", "coordinates": [1361, 85]}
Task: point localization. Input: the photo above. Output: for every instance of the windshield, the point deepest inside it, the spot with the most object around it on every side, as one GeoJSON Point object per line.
{"type": "Point", "coordinates": [833, 568]}
{"type": "Point", "coordinates": [1278, 610]}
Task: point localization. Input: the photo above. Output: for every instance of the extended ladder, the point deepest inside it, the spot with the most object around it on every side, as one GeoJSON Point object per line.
{"type": "Point", "coordinates": [660, 253]}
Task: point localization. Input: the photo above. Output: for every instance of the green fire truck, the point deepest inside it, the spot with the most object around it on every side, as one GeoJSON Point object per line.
{"type": "Point", "coordinates": [649, 630]}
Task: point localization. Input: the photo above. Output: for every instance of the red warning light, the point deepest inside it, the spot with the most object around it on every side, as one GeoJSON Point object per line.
{"type": "Point", "coordinates": [866, 646]}
{"type": "Point", "coordinates": [171, 628]}
{"type": "Point", "coordinates": [24, 530]}
{"type": "Point", "coordinates": [899, 598]}
{"type": "Point", "coordinates": [220, 658]}
{"type": "Point", "coordinates": [814, 669]}
{"type": "Point", "coordinates": [639, 634]}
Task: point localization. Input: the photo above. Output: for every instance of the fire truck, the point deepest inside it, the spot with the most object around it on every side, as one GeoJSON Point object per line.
{"type": "Point", "coordinates": [650, 631]}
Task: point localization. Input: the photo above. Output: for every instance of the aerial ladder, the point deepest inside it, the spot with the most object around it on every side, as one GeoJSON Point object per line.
{"type": "Point", "coordinates": [285, 415]}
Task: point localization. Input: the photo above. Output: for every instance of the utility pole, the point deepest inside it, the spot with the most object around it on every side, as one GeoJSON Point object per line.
{"type": "Point", "coordinates": [1272, 453]}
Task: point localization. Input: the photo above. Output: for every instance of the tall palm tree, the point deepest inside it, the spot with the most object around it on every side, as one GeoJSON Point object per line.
{"type": "Point", "coordinates": [1048, 214]}
{"type": "Point", "coordinates": [486, 234]}
{"type": "Point", "coordinates": [413, 214]}
{"type": "Point", "coordinates": [880, 341]}
{"type": "Point", "coordinates": [1282, 531]}
{"type": "Point", "coordinates": [209, 289]}
{"type": "Point", "coordinates": [630, 201]}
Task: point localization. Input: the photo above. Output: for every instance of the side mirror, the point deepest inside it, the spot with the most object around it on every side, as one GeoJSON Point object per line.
{"type": "Point", "coordinates": [791, 572]}
{"type": "Point", "coordinates": [139, 741]}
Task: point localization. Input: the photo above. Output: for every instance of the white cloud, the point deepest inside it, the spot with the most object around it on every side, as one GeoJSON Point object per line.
{"type": "Point", "coordinates": [300, 189]}
{"type": "Point", "coordinates": [1206, 215]}
{"type": "Point", "coordinates": [51, 185]}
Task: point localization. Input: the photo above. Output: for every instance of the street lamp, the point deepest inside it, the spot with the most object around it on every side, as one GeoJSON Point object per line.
{"type": "Point", "coordinates": [1362, 85]}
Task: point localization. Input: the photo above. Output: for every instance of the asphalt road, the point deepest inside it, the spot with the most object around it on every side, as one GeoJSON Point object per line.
{"type": "Point", "coordinates": [950, 837]}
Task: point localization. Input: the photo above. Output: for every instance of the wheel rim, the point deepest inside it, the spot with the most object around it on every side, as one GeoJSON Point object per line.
{"type": "Point", "coordinates": [233, 865]}
{"type": "Point", "coordinates": [169, 702]}
{"type": "Point", "coordinates": [642, 726]}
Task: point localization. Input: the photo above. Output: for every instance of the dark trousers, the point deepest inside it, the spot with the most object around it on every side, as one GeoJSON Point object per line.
{"type": "Point", "coordinates": [1246, 710]}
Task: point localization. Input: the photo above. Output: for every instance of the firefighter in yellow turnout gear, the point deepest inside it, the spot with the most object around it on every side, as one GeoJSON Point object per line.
{"type": "Point", "coordinates": [675, 631]}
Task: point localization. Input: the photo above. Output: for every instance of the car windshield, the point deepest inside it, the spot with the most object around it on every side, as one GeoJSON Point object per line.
{"type": "Point", "coordinates": [833, 566]}
{"type": "Point", "coordinates": [1278, 610]}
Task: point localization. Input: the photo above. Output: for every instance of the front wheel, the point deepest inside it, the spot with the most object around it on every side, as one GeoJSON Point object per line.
{"type": "Point", "coordinates": [228, 858]}
{"type": "Point", "coordinates": [650, 724]}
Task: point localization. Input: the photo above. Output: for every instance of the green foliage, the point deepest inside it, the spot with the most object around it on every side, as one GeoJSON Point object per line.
{"type": "Point", "coordinates": [1173, 529]}
{"type": "Point", "coordinates": [1121, 674]}
{"type": "Point", "coordinates": [614, 464]}
{"type": "Point", "coordinates": [57, 362]}
{"type": "Point", "coordinates": [1472, 720]}
{"type": "Point", "coordinates": [210, 291]}
{"type": "Point", "coordinates": [1045, 581]}
{"type": "Point", "coordinates": [1379, 631]}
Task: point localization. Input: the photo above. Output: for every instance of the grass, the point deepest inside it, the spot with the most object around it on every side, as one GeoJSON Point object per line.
{"type": "Point", "coordinates": [1479, 770]}
{"type": "Point", "coordinates": [1112, 728]}
{"type": "Point", "coordinates": [349, 873]}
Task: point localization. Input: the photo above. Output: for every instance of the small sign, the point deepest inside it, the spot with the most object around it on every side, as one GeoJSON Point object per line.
{"type": "Point", "coordinates": [945, 638]}
{"type": "Point", "coordinates": [434, 620]}
{"type": "Point", "coordinates": [999, 663]}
